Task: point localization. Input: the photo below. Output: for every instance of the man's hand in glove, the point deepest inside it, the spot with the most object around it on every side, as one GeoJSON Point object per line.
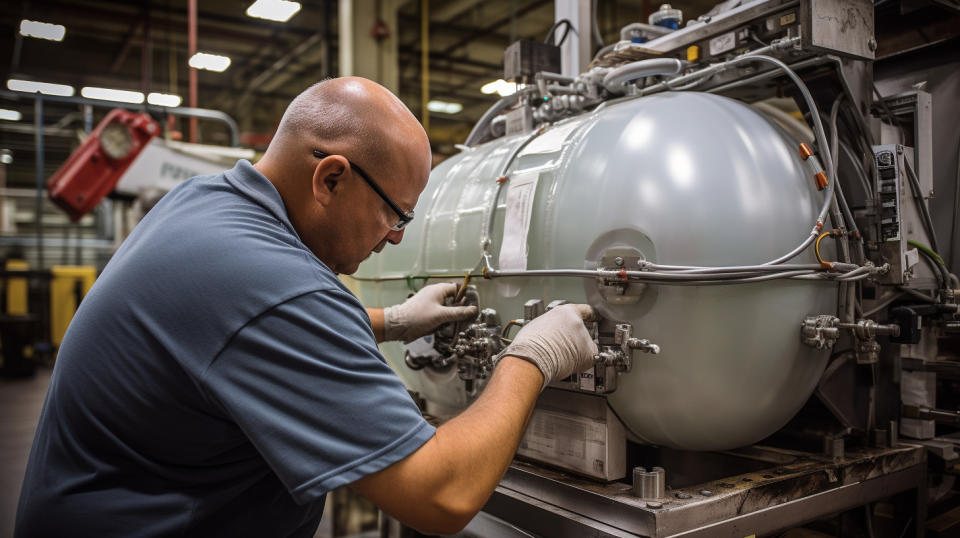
{"type": "Point", "coordinates": [421, 314]}
{"type": "Point", "coordinates": [557, 342]}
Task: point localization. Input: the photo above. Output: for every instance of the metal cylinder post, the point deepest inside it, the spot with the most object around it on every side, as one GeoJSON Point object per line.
{"type": "Point", "coordinates": [38, 169]}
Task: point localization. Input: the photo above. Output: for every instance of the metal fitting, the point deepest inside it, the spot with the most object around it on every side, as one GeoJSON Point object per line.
{"type": "Point", "coordinates": [820, 331]}
{"type": "Point", "coordinates": [649, 485]}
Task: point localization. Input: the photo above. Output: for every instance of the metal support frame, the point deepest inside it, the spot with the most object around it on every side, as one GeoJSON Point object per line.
{"type": "Point", "coordinates": [575, 51]}
{"type": "Point", "coordinates": [809, 487]}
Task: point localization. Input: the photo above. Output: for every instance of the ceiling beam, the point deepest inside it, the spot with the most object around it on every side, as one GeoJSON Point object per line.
{"type": "Point", "coordinates": [535, 4]}
{"type": "Point", "coordinates": [128, 42]}
{"type": "Point", "coordinates": [451, 9]}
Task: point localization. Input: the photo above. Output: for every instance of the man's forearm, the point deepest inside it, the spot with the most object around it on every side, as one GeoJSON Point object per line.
{"type": "Point", "coordinates": [376, 323]}
{"type": "Point", "coordinates": [442, 485]}
{"type": "Point", "coordinates": [489, 431]}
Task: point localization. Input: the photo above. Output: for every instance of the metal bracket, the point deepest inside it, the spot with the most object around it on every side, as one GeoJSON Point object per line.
{"type": "Point", "coordinates": [620, 291]}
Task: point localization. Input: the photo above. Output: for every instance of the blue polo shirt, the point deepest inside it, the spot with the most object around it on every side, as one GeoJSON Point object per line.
{"type": "Point", "coordinates": [217, 380]}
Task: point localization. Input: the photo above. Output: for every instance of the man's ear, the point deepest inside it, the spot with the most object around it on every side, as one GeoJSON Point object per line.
{"type": "Point", "coordinates": [327, 177]}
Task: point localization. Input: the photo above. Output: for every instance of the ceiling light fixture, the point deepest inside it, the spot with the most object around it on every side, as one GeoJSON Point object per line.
{"type": "Point", "coordinates": [210, 62]}
{"type": "Point", "coordinates": [109, 94]}
{"type": "Point", "coordinates": [444, 107]}
{"type": "Point", "coordinates": [31, 86]}
{"type": "Point", "coordinates": [164, 99]}
{"type": "Point", "coordinates": [499, 86]}
{"type": "Point", "coordinates": [273, 10]}
{"type": "Point", "coordinates": [10, 115]}
{"type": "Point", "coordinates": [42, 30]}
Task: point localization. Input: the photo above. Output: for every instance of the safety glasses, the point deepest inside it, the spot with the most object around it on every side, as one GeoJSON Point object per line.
{"type": "Point", "coordinates": [405, 216]}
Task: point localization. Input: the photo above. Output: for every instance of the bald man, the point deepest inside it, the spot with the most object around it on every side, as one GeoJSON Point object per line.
{"type": "Point", "coordinates": [219, 380]}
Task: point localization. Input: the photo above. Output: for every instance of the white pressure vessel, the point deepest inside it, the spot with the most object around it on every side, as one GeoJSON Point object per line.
{"type": "Point", "coordinates": [680, 178]}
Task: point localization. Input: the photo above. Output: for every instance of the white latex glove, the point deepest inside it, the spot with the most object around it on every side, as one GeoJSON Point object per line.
{"type": "Point", "coordinates": [421, 314]}
{"type": "Point", "coordinates": [557, 342]}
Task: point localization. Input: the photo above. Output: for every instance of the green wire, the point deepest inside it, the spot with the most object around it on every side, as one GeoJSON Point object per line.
{"type": "Point", "coordinates": [936, 257]}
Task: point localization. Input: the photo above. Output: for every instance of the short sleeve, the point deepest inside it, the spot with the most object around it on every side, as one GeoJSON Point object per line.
{"type": "Point", "coordinates": [308, 386]}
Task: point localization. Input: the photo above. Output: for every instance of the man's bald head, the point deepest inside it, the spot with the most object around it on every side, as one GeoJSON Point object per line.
{"type": "Point", "coordinates": [352, 116]}
{"type": "Point", "coordinates": [358, 124]}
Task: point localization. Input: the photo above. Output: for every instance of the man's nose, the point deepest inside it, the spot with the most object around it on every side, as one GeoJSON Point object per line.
{"type": "Point", "coordinates": [395, 236]}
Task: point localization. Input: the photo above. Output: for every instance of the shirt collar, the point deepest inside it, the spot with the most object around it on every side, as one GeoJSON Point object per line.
{"type": "Point", "coordinates": [254, 185]}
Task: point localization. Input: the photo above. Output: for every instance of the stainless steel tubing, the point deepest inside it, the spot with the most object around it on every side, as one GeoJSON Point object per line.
{"type": "Point", "coordinates": [614, 80]}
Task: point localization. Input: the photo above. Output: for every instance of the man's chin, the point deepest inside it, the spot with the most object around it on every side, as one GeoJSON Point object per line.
{"type": "Point", "coordinates": [349, 270]}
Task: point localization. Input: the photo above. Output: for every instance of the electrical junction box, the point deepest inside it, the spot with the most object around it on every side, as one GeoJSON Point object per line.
{"type": "Point", "coordinates": [525, 58]}
{"type": "Point", "coordinates": [900, 219]}
{"type": "Point", "coordinates": [576, 432]}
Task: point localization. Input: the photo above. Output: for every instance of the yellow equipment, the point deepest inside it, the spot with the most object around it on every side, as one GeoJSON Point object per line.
{"type": "Point", "coordinates": [68, 285]}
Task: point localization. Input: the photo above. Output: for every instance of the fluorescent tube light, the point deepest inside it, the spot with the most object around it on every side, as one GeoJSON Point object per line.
{"type": "Point", "coordinates": [10, 115]}
{"type": "Point", "coordinates": [31, 86]}
{"type": "Point", "coordinates": [109, 94]}
{"type": "Point", "coordinates": [499, 86]}
{"type": "Point", "coordinates": [273, 10]}
{"type": "Point", "coordinates": [164, 99]}
{"type": "Point", "coordinates": [444, 107]}
{"type": "Point", "coordinates": [42, 30]}
{"type": "Point", "coordinates": [210, 62]}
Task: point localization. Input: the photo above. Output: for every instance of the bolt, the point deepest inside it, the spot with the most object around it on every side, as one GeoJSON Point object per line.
{"type": "Point", "coordinates": [682, 495]}
{"type": "Point", "coordinates": [748, 480]}
{"type": "Point", "coordinates": [654, 504]}
{"type": "Point", "coordinates": [768, 476]}
{"type": "Point", "coordinates": [706, 493]}
{"type": "Point", "coordinates": [725, 485]}
{"type": "Point", "coordinates": [618, 261]}
{"type": "Point", "coordinates": [872, 44]}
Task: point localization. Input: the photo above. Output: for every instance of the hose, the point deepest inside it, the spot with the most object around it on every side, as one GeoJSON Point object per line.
{"type": "Point", "coordinates": [884, 302]}
{"type": "Point", "coordinates": [480, 130]}
{"type": "Point", "coordinates": [487, 239]}
{"type": "Point", "coordinates": [861, 173]}
{"type": "Point", "coordinates": [936, 262]}
{"type": "Point", "coordinates": [921, 205]}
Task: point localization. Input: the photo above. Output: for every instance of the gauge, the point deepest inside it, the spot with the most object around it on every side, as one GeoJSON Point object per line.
{"type": "Point", "coordinates": [116, 140]}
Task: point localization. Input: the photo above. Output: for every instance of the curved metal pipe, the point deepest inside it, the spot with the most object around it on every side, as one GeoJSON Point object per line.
{"type": "Point", "coordinates": [614, 80]}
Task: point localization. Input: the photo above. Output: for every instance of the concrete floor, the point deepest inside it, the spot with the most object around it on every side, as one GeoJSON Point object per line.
{"type": "Point", "coordinates": [20, 403]}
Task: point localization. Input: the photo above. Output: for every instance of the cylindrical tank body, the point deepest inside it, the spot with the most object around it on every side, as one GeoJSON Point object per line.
{"type": "Point", "coordinates": [681, 178]}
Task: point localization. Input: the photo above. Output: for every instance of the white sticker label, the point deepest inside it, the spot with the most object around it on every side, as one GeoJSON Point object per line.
{"type": "Point", "coordinates": [587, 381]}
{"type": "Point", "coordinates": [516, 220]}
{"type": "Point", "coordinates": [723, 43]}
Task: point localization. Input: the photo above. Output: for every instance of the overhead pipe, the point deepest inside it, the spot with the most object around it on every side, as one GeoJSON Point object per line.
{"type": "Point", "coordinates": [189, 112]}
{"type": "Point", "coordinates": [425, 64]}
